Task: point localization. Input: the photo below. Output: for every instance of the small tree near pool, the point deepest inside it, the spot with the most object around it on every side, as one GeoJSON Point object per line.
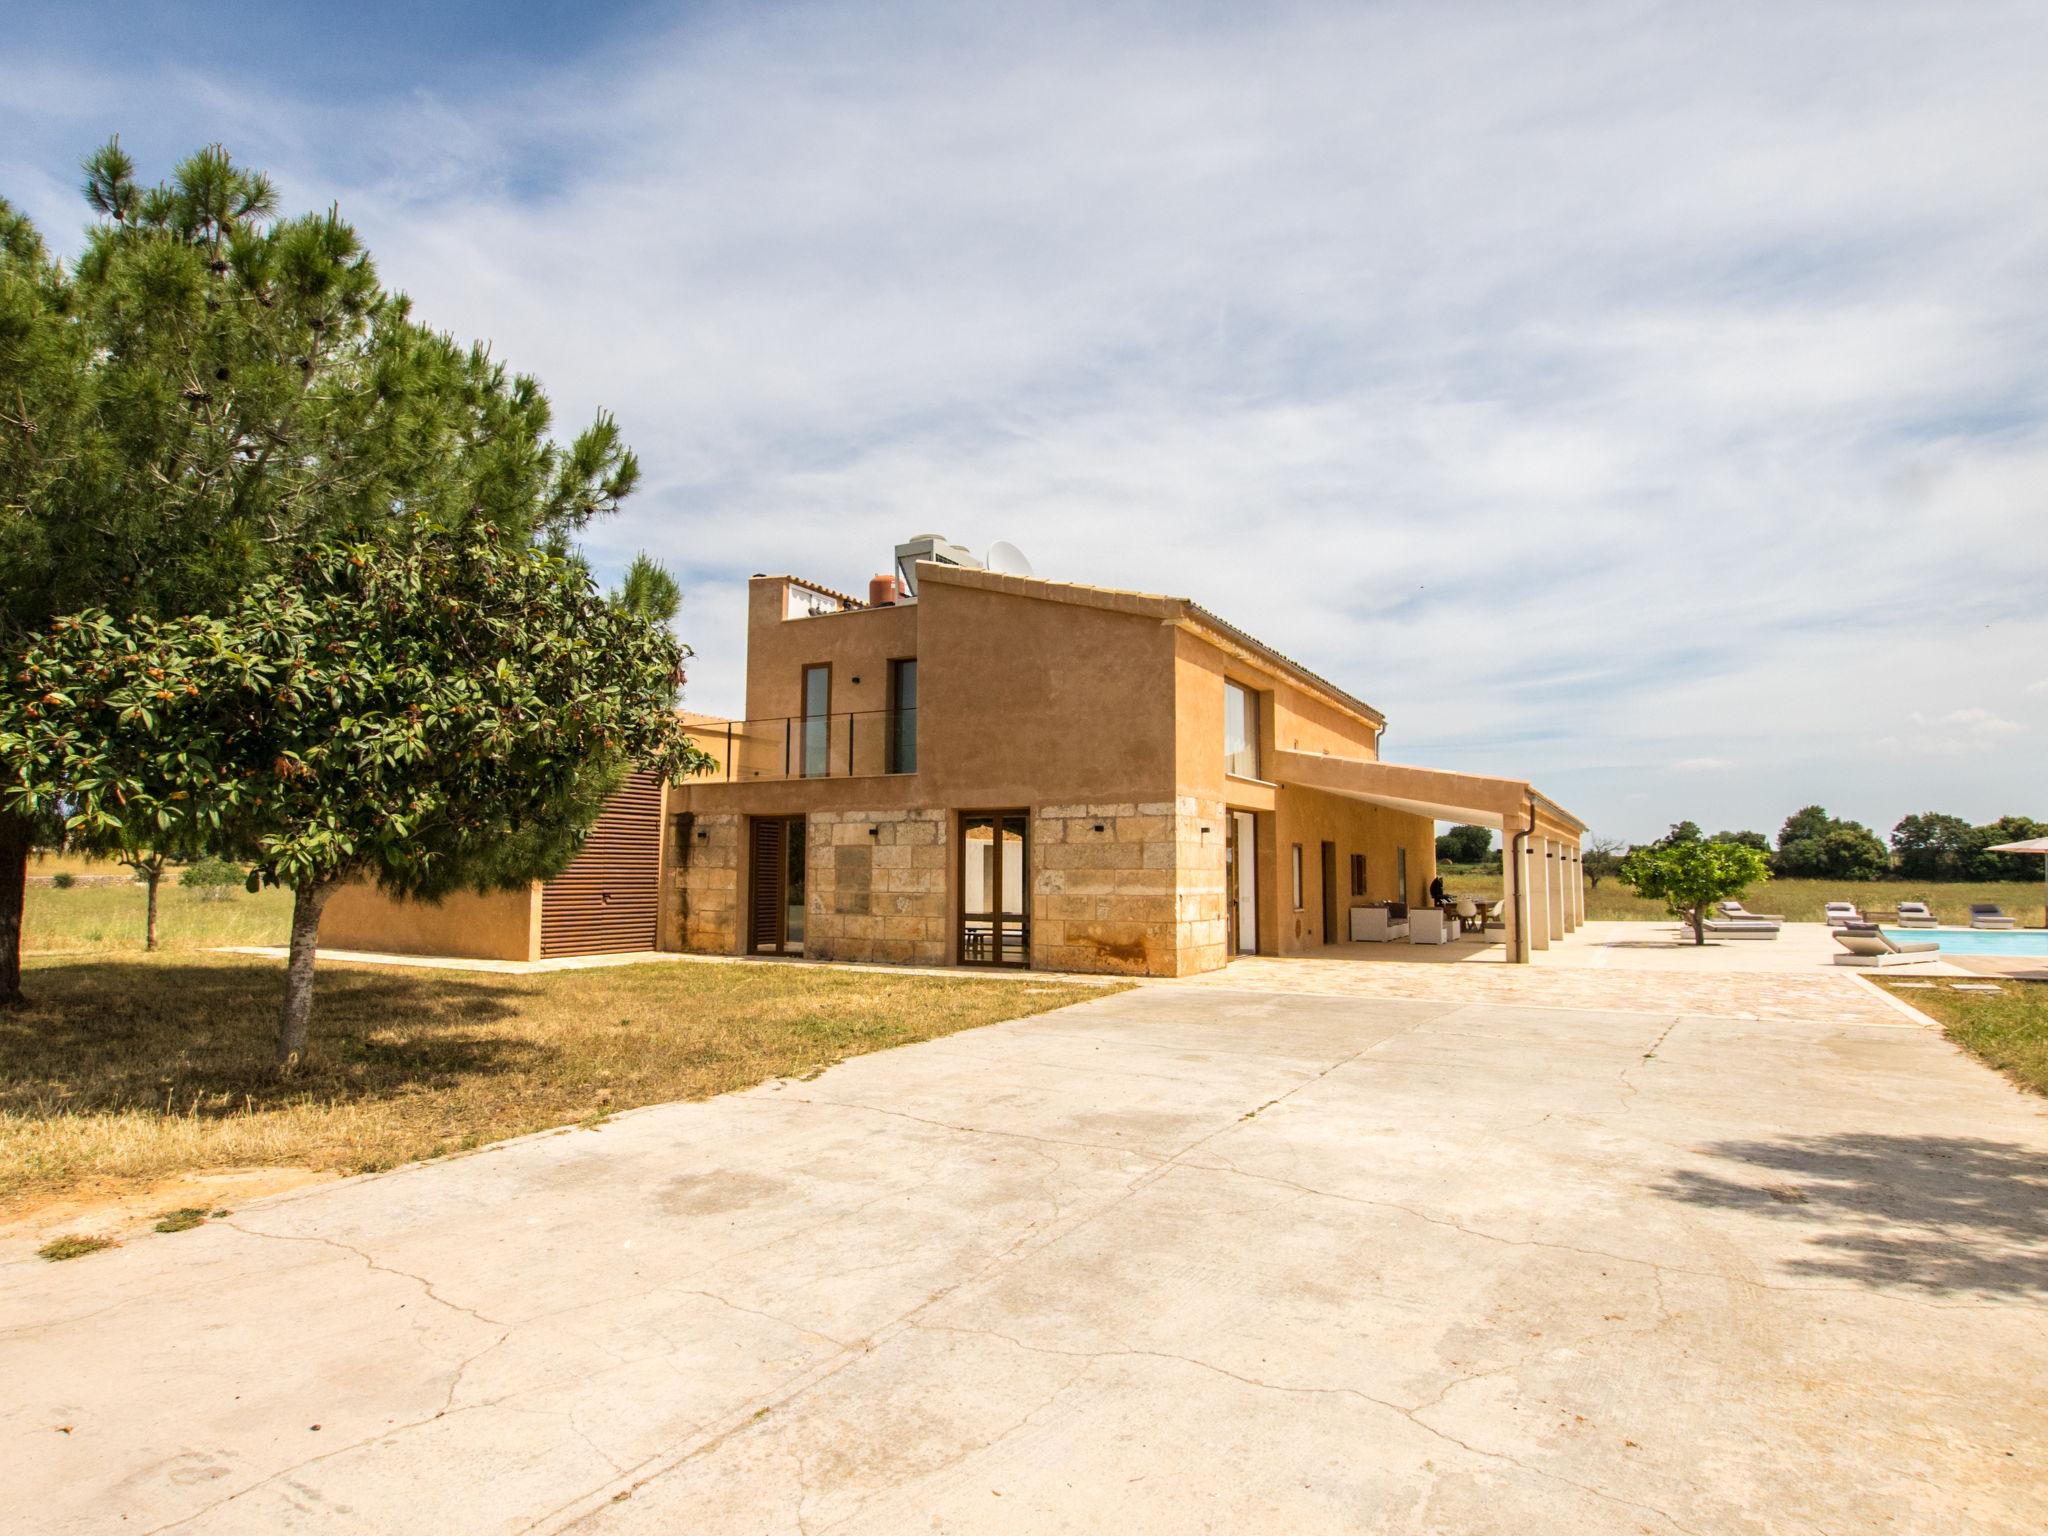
{"type": "Point", "coordinates": [1689, 876]}
{"type": "Point", "coordinates": [434, 711]}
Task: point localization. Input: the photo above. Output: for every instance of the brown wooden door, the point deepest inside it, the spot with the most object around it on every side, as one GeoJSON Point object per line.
{"type": "Point", "coordinates": [776, 886]}
{"type": "Point", "coordinates": [609, 898]}
{"type": "Point", "coordinates": [765, 908]}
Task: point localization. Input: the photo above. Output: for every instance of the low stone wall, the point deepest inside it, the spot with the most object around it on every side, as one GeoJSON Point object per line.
{"type": "Point", "coordinates": [877, 886]}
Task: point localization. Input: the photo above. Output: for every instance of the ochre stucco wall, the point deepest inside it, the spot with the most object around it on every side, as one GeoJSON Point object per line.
{"type": "Point", "coordinates": [505, 925]}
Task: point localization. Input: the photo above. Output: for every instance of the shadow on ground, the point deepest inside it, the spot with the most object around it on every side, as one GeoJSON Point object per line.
{"type": "Point", "coordinates": [198, 1037]}
{"type": "Point", "coordinates": [1940, 1214]}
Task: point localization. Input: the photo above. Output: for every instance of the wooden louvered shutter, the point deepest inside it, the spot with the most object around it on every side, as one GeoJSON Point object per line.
{"type": "Point", "coordinates": [765, 919]}
{"type": "Point", "coordinates": [609, 898]}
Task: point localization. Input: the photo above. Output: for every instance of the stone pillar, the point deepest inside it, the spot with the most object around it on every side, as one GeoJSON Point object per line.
{"type": "Point", "coordinates": [1538, 871]}
{"type": "Point", "coordinates": [1554, 872]}
{"type": "Point", "coordinates": [1578, 874]}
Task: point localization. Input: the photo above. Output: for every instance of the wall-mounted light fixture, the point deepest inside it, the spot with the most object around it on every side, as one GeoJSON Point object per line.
{"type": "Point", "coordinates": [1099, 827]}
{"type": "Point", "coordinates": [874, 831]}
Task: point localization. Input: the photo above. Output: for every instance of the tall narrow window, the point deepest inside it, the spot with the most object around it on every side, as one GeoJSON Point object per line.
{"type": "Point", "coordinates": [1298, 893]}
{"type": "Point", "coordinates": [1358, 874]}
{"type": "Point", "coordinates": [1401, 874]}
{"type": "Point", "coordinates": [903, 716]}
{"type": "Point", "coordinates": [1240, 730]}
{"type": "Point", "coordinates": [816, 761]}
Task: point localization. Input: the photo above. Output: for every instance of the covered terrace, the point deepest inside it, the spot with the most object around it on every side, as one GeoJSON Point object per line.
{"type": "Point", "coordinates": [1540, 852]}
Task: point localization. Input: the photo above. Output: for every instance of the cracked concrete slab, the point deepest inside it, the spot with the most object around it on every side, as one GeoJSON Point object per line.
{"type": "Point", "coordinates": [1195, 1258]}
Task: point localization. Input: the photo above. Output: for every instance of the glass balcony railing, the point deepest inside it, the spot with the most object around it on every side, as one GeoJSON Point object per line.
{"type": "Point", "coordinates": [850, 745]}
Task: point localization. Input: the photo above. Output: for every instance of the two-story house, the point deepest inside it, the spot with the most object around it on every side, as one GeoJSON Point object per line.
{"type": "Point", "coordinates": [974, 768]}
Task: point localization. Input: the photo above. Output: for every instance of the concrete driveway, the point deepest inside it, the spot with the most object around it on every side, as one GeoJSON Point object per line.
{"type": "Point", "coordinates": [1190, 1258]}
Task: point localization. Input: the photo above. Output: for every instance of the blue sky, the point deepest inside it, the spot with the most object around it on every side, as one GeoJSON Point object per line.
{"type": "Point", "coordinates": [1651, 400]}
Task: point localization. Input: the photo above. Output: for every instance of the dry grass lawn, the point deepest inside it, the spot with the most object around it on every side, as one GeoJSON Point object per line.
{"type": "Point", "coordinates": [104, 919]}
{"type": "Point", "coordinates": [2007, 1029]}
{"type": "Point", "coordinates": [124, 1071]}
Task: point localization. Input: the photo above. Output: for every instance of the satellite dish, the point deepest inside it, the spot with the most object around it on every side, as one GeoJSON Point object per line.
{"type": "Point", "coordinates": [1007, 559]}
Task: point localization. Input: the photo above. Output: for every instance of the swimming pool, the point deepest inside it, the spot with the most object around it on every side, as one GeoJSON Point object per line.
{"type": "Point", "coordinates": [1979, 941]}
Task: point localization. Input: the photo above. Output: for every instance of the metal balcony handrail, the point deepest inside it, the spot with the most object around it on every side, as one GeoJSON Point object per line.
{"type": "Point", "coordinates": [853, 743]}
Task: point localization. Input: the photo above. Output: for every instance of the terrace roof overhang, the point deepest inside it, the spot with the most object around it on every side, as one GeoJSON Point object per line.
{"type": "Point", "coordinates": [1510, 805]}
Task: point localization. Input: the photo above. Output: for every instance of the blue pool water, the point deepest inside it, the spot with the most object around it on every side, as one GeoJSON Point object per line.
{"type": "Point", "coordinates": [1979, 941]}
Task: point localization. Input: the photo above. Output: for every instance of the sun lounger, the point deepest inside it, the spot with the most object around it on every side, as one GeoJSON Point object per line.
{"type": "Point", "coordinates": [1735, 911]}
{"type": "Point", "coordinates": [1740, 928]}
{"type": "Point", "coordinates": [1868, 944]}
{"type": "Point", "coordinates": [1840, 914]}
{"type": "Point", "coordinates": [1914, 914]}
{"type": "Point", "coordinates": [1986, 914]}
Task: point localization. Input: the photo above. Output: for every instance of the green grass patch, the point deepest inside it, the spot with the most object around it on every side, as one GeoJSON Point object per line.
{"type": "Point", "coordinates": [124, 1070]}
{"type": "Point", "coordinates": [72, 1246]}
{"type": "Point", "coordinates": [184, 1219]}
{"type": "Point", "coordinates": [2007, 1030]}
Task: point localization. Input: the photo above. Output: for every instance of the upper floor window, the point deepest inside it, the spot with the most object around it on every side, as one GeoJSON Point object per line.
{"type": "Point", "coordinates": [816, 761]}
{"type": "Point", "coordinates": [903, 715]}
{"type": "Point", "coordinates": [1240, 730]}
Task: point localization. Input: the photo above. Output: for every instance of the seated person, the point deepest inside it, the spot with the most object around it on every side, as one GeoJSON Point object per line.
{"type": "Point", "coordinates": [1436, 891]}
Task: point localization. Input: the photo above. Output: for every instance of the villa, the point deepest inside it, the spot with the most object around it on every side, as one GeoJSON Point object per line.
{"type": "Point", "coordinates": [978, 768]}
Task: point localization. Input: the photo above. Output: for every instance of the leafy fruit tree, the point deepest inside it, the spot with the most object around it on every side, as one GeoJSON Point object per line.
{"type": "Point", "coordinates": [211, 387]}
{"type": "Point", "coordinates": [428, 712]}
{"type": "Point", "coordinates": [1689, 875]}
{"type": "Point", "coordinates": [1464, 845]}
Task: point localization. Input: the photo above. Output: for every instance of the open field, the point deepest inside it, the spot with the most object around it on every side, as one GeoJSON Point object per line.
{"type": "Point", "coordinates": [125, 1071]}
{"type": "Point", "coordinates": [97, 919]}
{"type": "Point", "coordinates": [1799, 901]}
{"type": "Point", "coordinates": [2007, 1030]}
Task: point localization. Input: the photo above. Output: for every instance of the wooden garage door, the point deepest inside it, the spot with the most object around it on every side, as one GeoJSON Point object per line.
{"type": "Point", "coordinates": [609, 898]}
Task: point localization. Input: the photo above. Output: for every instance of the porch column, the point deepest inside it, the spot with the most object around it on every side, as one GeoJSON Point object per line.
{"type": "Point", "coordinates": [1554, 872]}
{"type": "Point", "coordinates": [1578, 873]}
{"type": "Point", "coordinates": [1539, 893]}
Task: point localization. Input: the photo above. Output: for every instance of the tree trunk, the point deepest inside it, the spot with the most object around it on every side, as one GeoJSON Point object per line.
{"type": "Point", "coordinates": [16, 833]}
{"type": "Point", "coordinates": [1699, 925]}
{"type": "Point", "coordinates": [307, 901]}
{"type": "Point", "coordinates": [152, 876]}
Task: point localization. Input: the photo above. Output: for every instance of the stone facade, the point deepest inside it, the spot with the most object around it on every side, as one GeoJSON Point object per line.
{"type": "Point", "coordinates": [1104, 900]}
{"type": "Point", "coordinates": [703, 896]}
{"type": "Point", "coordinates": [1201, 910]}
{"type": "Point", "coordinates": [877, 886]}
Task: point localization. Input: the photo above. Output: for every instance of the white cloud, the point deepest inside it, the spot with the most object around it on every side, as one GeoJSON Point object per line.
{"type": "Point", "coordinates": [1578, 390]}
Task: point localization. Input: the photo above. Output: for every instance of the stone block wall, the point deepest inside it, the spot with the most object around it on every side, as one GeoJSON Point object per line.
{"type": "Point", "coordinates": [1201, 900]}
{"type": "Point", "coordinates": [1105, 901]}
{"type": "Point", "coordinates": [877, 886]}
{"type": "Point", "coordinates": [703, 896]}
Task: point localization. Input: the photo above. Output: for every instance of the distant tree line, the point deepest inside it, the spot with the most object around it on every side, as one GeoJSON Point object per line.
{"type": "Point", "coordinates": [1814, 845]}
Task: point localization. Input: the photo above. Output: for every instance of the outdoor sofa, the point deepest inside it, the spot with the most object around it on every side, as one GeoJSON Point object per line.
{"type": "Point", "coordinates": [1379, 925]}
{"type": "Point", "coordinates": [1868, 944]}
{"type": "Point", "coordinates": [1987, 914]}
{"type": "Point", "coordinates": [1914, 914]}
